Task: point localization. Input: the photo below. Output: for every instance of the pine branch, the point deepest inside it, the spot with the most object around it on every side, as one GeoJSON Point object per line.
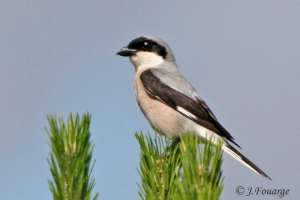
{"type": "Point", "coordinates": [159, 167]}
{"type": "Point", "coordinates": [70, 158]}
{"type": "Point", "coordinates": [180, 169]}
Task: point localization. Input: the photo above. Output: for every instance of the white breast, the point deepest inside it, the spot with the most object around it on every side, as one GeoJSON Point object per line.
{"type": "Point", "coordinates": [161, 117]}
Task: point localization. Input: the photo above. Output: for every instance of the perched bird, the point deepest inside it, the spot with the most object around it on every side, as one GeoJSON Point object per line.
{"type": "Point", "coordinates": [169, 101]}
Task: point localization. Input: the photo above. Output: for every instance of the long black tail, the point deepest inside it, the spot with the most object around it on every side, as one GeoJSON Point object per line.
{"type": "Point", "coordinates": [240, 157]}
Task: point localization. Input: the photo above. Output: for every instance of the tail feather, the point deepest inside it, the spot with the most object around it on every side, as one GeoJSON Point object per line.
{"type": "Point", "coordinates": [240, 157]}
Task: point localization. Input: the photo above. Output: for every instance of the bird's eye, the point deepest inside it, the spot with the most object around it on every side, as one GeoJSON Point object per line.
{"type": "Point", "coordinates": [146, 44]}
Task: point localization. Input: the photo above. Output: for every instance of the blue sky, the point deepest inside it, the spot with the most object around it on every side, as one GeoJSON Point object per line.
{"type": "Point", "coordinates": [60, 57]}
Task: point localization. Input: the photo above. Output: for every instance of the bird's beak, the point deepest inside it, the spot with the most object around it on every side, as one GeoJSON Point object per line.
{"type": "Point", "coordinates": [126, 52]}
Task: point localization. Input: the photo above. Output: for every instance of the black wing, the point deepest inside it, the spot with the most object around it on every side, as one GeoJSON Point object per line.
{"type": "Point", "coordinates": [196, 110]}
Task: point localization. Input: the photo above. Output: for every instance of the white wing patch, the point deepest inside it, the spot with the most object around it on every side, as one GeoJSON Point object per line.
{"type": "Point", "coordinates": [185, 112]}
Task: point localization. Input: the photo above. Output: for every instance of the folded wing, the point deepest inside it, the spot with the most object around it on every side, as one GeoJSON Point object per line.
{"type": "Point", "coordinates": [194, 109]}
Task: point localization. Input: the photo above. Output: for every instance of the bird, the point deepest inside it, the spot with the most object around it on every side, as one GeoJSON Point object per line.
{"type": "Point", "coordinates": [168, 100]}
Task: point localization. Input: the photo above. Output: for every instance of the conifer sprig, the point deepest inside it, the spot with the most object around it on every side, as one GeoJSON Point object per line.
{"type": "Point", "coordinates": [180, 169]}
{"type": "Point", "coordinates": [70, 158]}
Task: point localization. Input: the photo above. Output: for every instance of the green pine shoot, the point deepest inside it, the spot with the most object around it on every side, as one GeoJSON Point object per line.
{"type": "Point", "coordinates": [70, 158]}
{"type": "Point", "coordinates": [181, 169]}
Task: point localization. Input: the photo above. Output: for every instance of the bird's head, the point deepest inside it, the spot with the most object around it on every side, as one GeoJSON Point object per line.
{"type": "Point", "coordinates": [147, 51]}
